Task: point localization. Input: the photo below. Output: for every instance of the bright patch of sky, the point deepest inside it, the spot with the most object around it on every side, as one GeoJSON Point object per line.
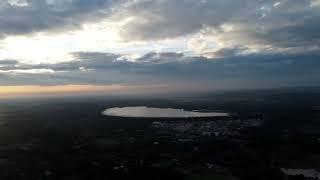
{"type": "Point", "coordinates": [18, 3]}
{"type": "Point", "coordinates": [100, 37]}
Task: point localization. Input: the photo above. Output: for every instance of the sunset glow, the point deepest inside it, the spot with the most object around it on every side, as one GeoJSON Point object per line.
{"type": "Point", "coordinates": [14, 91]}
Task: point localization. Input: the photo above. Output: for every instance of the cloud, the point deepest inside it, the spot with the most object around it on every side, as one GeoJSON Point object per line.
{"type": "Point", "coordinates": [84, 69]}
{"type": "Point", "coordinates": [215, 26]}
{"type": "Point", "coordinates": [8, 62]}
{"type": "Point", "coordinates": [164, 57]}
{"type": "Point", "coordinates": [20, 17]}
{"type": "Point", "coordinates": [209, 28]}
{"type": "Point", "coordinates": [315, 3]}
{"type": "Point", "coordinates": [290, 26]}
{"type": "Point", "coordinates": [175, 71]}
{"type": "Point", "coordinates": [150, 112]}
{"type": "Point", "coordinates": [255, 24]}
{"type": "Point", "coordinates": [226, 52]}
{"type": "Point", "coordinates": [145, 19]}
{"type": "Point", "coordinates": [27, 71]}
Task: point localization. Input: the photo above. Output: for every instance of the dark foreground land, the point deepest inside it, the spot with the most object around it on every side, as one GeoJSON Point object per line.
{"type": "Point", "coordinates": [69, 139]}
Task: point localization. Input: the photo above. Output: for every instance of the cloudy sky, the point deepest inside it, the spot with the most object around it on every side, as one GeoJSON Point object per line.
{"type": "Point", "coordinates": [58, 46]}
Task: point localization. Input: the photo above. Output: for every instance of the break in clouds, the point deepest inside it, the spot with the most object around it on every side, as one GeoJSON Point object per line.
{"type": "Point", "coordinates": [150, 112]}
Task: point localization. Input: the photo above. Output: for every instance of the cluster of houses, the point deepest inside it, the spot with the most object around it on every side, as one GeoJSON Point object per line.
{"type": "Point", "coordinates": [198, 127]}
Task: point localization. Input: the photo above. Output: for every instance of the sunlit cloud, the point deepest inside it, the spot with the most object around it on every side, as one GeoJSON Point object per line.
{"type": "Point", "coordinates": [18, 3]}
{"type": "Point", "coordinates": [27, 71]}
{"type": "Point", "coordinates": [315, 3]}
{"type": "Point", "coordinates": [56, 47]}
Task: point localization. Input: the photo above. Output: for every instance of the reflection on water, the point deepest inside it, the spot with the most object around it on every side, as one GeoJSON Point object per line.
{"type": "Point", "coordinates": [150, 112]}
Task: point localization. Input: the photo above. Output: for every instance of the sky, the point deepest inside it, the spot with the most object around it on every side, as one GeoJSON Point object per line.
{"type": "Point", "coordinates": [67, 46]}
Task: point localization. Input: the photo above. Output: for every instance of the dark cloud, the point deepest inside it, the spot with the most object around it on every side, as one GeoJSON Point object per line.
{"type": "Point", "coordinates": [257, 25]}
{"type": "Point", "coordinates": [227, 52]}
{"type": "Point", "coordinates": [8, 62]}
{"type": "Point", "coordinates": [172, 18]}
{"type": "Point", "coordinates": [304, 32]}
{"type": "Point", "coordinates": [252, 71]}
{"type": "Point", "coordinates": [40, 15]}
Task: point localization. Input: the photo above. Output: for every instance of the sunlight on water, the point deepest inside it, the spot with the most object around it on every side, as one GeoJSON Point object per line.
{"type": "Point", "coordinates": [150, 112]}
